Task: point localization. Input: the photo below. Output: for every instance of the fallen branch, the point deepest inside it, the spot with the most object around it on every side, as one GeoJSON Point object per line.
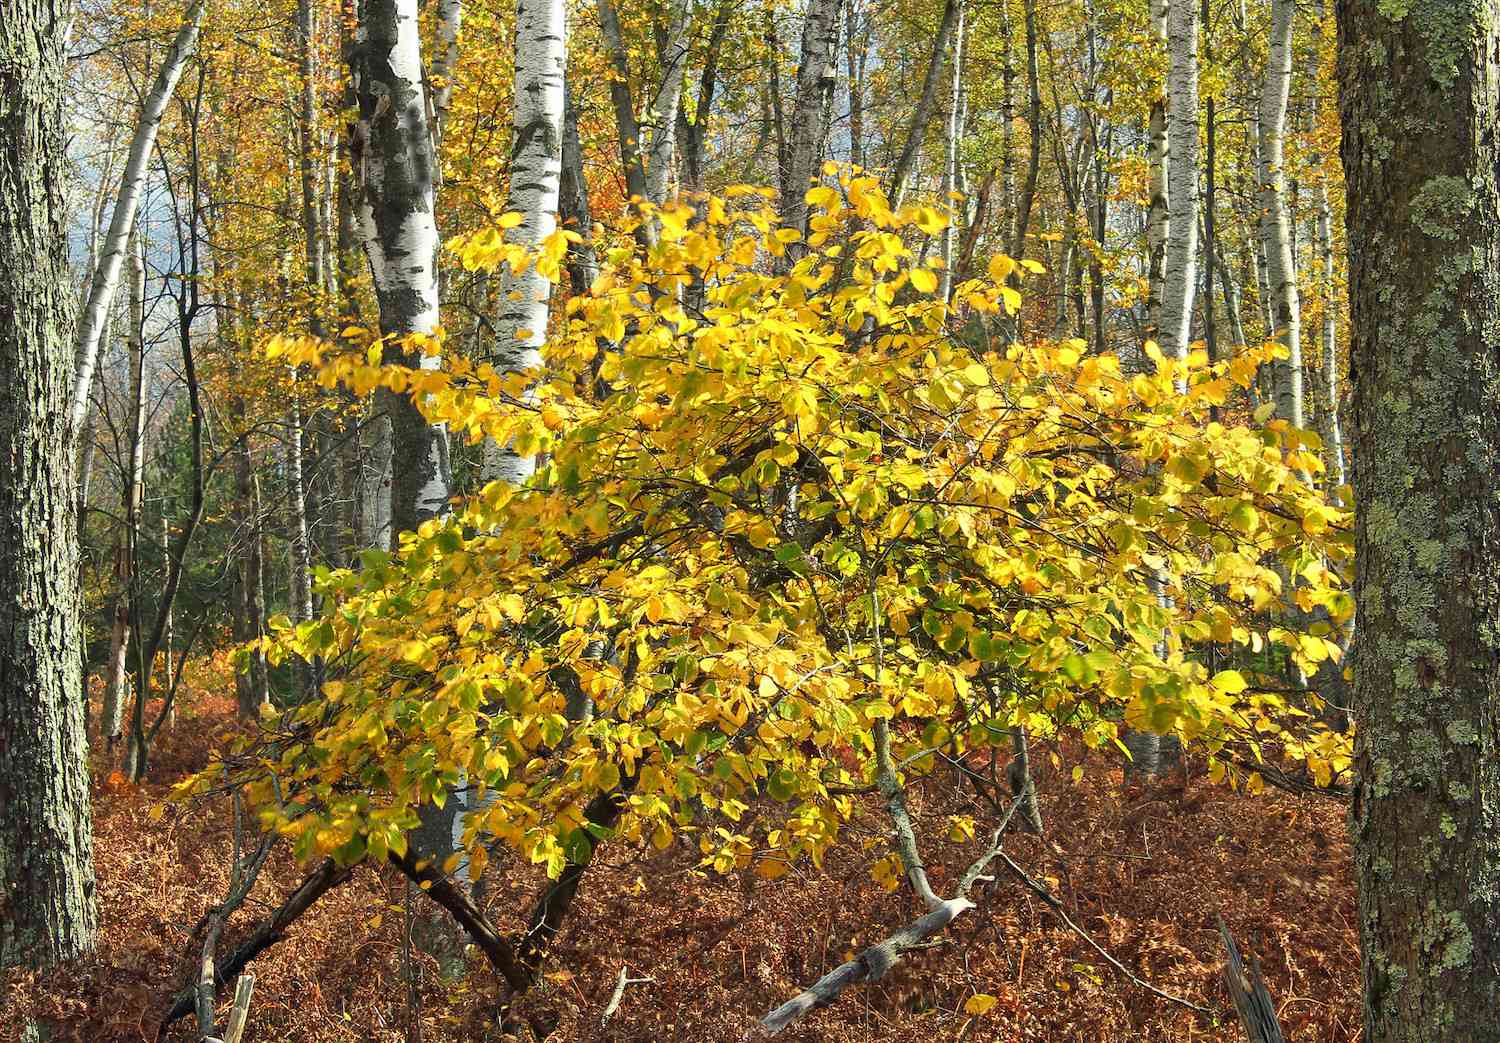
{"type": "Point", "coordinates": [876, 961]}
{"type": "Point", "coordinates": [267, 933]}
{"type": "Point", "coordinates": [1045, 895]}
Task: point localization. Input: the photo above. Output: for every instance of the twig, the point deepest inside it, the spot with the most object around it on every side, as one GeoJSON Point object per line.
{"type": "Point", "coordinates": [1057, 907]}
{"type": "Point", "coordinates": [619, 994]}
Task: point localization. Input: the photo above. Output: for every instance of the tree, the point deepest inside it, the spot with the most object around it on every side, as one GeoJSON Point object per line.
{"type": "Point", "coordinates": [106, 279]}
{"type": "Point", "coordinates": [1275, 222]}
{"type": "Point", "coordinates": [397, 174]}
{"type": "Point", "coordinates": [46, 871]}
{"type": "Point", "coordinates": [1420, 154]}
{"type": "Point", "coordinates": [536, 175]}
{"type": "Point", "coordinates": [1179, 279]}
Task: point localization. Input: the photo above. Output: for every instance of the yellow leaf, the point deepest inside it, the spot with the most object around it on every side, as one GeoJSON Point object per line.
{"type": "Point", "coordinates": [923, 280]}
{"type": "Point", "coordinates": [980, 1003]}
{"type": "Point", "coordinates": [1230, 681]}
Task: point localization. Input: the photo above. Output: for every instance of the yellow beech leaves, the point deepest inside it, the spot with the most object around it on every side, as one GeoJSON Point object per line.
{"type": "Point", "coordinates": [779, 502]}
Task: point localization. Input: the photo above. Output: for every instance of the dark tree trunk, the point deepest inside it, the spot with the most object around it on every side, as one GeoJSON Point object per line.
{"type": "Point", "coordinates": [1419, 85]}
{"type": "Point", "coordinates": [46, 869]}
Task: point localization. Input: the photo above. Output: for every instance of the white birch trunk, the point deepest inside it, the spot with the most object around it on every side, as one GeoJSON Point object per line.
{"type": "Point", "coordinates": [668, 99]}
{"type": "Point", "coordinates": [951, 167]}
{"type": "Point", "coordinates": [392, 151]}
{"type": "Point", "coordinates": [1285, 307]}
{"type": "Point", "coordinates": [536, 173]}
{"type": "Point", "coordinates": [1331, 429]}
{"type": "Point", "coordinates": [1179, 278]}
{"type": "Point", "coordinates": [301, 584]}
{"type": "Point", "coordinates": [450, 20]}
{"type": "Point", "coordinates": [106, 278]}
{"type": "Point", "coordinates": [111, 715]}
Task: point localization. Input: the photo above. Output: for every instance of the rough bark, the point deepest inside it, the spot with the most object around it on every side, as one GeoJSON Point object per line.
{"type": "Point", "coordinates": [1419, 89]}
{"type": "Point", "coordinates": [106, 278]}
{"type": "Point", "coordinates": [1035, 131]}
{"type": "Point", "coordinates": [1275, 224]}
{"type": "Point", "coordinates": [815, 82]}
{"type": "Point", "coordinates": [46, 871]}
{"type": "Point", "coordinates": [573, 205]}
{"type": "Point", "coordinates": [628, 131]}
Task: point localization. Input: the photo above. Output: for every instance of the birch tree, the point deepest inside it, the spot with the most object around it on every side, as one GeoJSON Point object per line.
{"type": "Point", "coordinates": [106, 278]}
{"type": "Point", "coordinates": [1179, 276]}
{"type": "Point", "coordinates": [1330, 428]}
{"type": "Point", "coordinates": [668, 100]}
{"type": "Point", "coordinates": [536, 173]}
{"type": "Point", "coordinates": [953, 132]}
{"type": "Point", "coordinates": [111, 714]}
{"type": "Point", "coordinates": [46, 858]}
{"type": "Point", "coordinates": [395, 168]}
{"type": "Point", "coordinates": [1275, 226]}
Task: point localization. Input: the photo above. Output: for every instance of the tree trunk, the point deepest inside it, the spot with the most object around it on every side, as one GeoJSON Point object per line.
{"type": "Point", "coordinates": [1034, 121]}
{"type": "Point", "coordinates": [111, 714]}
{"type": "Point", "coordinates": [664, 113]}
{"type": "Point", "coordinates": [1179, 279]}
{"type": "Point", "coordinates": [815, 81]}
{"type": "Point", "coordinates": [1420, 151]}
{"type": "Point", "coordinates": [1275, 226]}
{"type": "Point", "coordinates": [106, 278]}
{"type": "Point", "coordinates": [296, 506]}
{"type": "Point", "coordinates": [627, 130]}
{"type": "Point", "coordinates": [922, 114]}
{"type": "Point", "coordinates": [46, 858]}
{"type": "Point", "coordinates": [573, 205]}
{"type": "Point", "coordinates": [1156, 162]}
{"type": "Point", "coordinates": [450, 20]}
{"type": "Point", "coordinates": [251, 685]}
{"type": "Point", "coordinates": [536, 173]}
{"type": "Point", "coordinates": [1330, 429]}
{"type": "Point", "coordinates": [393, 154]}
{"type": "Point", "coordinates": [951, 164]}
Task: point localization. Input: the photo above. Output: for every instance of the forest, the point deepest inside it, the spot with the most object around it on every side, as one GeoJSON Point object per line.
{"type": "Point", "coordinates": [709, 520]}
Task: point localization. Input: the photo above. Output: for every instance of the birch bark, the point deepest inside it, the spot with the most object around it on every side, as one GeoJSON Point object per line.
{"type": "Point", "coordinates": [106, 279]}
{"type": "Point", "coordinates": [1275, 228]}
{"type": "Point", "coordinates": [1179, 280]}
{"type": "Point", "coordinates": [536, 173]}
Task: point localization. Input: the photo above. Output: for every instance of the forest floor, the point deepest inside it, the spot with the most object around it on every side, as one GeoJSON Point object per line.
{"type": "Point", "coordinates": [1144, 871]}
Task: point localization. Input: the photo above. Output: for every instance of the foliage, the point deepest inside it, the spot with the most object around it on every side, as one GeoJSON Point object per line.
{"type": "Point", "coordinates": [819, 501]}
